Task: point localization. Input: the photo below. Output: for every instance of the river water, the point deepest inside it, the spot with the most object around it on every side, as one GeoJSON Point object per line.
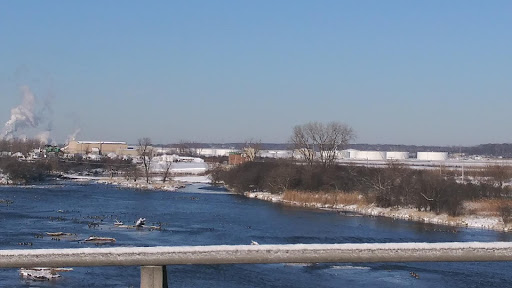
{"type": "Point", "coordinates": [203, 215]}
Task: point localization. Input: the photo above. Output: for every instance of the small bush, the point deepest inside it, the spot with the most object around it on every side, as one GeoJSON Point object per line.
{"type": "Point", "coordinates": [505, 211]}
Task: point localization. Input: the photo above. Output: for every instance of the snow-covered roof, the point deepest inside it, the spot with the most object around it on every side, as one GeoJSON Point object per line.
{"type": "Point", "coordinates": [99, 142]}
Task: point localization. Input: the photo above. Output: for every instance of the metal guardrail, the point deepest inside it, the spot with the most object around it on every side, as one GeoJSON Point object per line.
{"type": "Point", "coordinates": [154, 259]}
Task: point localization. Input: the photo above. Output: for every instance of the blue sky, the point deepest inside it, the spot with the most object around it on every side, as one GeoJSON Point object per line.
{"type": "Point", "coordinates": [400, 72]}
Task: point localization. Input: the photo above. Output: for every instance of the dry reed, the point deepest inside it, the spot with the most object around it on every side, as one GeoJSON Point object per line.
{"type": "Point", "coordinates": [324, 198]}
{"type": "Point", "coordinates": [487, 206]}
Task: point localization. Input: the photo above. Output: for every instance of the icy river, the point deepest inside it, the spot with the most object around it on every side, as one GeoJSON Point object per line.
{"type": "Point", "coordinates": [203, 215]}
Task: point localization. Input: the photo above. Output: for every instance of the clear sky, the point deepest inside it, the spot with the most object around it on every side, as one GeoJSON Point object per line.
{"type": "Point", "coordinates": [398, 72]}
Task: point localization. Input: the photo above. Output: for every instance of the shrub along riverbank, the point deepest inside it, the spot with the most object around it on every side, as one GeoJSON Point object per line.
{"type": "Point", "coordinates": [394, 187]}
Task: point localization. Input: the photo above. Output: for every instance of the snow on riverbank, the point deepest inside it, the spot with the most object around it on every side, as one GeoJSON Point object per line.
{"type": "Point", "coordinates": [205, 179]}
{"type": "Point", "coordinates": [472, 221]}
{"type": "Point", "coordinates": [3, 179]}
{"type": "Point", "coordinates": [141, 184]}
{"type": "Point", "coordinates": [179, 164]}
{"type": "Point", "coordinates": [128, 183]}
{"type": "Point", "coordinates": [174, 184]}
{"type": "Point", "coordinates": [156, 183]}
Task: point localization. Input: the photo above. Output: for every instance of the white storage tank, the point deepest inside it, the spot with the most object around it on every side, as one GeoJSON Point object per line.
{"type": "Point", "coordinates": [395, 155]}
{"type": "Point", "coordinates": [432, 156]}
{"type": "Point", "coordinates": [371, 155]}
{"type": "Point", "coordinates": [276, 153]}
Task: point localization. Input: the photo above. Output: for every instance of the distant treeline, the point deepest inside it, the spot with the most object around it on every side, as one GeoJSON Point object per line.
{"type": "Point", "coordinates": [394, 186]}
{"type": "Point", "coordinates": [23, 172]}
{"type": "Point", "coordinates": [18, 145]}
{"type": "Point", "coordinates": [492, 150]}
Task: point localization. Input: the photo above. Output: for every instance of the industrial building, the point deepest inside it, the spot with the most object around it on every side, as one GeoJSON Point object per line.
{"type": "Point", "coordinates": [237, 158]}
{"type": "Point", "coordinates": [352, 154]}
{"type": "Point", "coordinates": [99, 148]}
{"type": "Point", "coordinates": [432, 156]}
{"type": "Point", "coordinates": [214, 152]}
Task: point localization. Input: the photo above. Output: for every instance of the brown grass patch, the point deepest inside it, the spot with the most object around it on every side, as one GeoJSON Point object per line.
{"type": "Point", "coordinates": [325, 198]}
{"type": "Point", "coordinates": [487, 206]}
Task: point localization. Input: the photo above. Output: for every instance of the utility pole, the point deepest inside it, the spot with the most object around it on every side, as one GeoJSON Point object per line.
{"type": "Point", "coordinates": [463, 172]}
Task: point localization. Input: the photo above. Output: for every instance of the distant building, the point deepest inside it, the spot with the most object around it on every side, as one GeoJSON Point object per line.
{"type": "Point", "coordinates": [237, 158]}
{"type": "Point", "coordinates": [214, 152]}
{"type": "Point", "coordinates": [100, 148]}
{"type": "Point", "coordinates": [432, 156]}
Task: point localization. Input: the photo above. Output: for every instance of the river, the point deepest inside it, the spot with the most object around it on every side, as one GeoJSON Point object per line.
{"type": "Point", "coordinates": [203, 215]}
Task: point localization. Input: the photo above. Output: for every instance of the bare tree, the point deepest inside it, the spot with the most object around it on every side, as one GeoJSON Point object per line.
{"type": "Point", "coordinates": [198, 148]}
{"type": "Point", "coordinates": [327, 139]}
{"type": "Point", "coordinates": [302, 144]}
{"type": "Point", "coordinates": [188, 148]}
{"type": "Point", "coordinates": [498, 174]}
{"type": "Point", "coordinates": [145, 152]}
{"type": "Point", "coordinates": [252, 149]}
{"type": "Point", "coordinates": [132, 172]}
{"type": "Point", "coordinates": [183, 147]}
{"type": "Point", "coordinates": [20, 145]}
{"type": "Point", "coordinates": [167, 169]}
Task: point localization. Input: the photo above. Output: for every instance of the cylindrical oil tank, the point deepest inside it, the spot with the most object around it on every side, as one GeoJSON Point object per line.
{"type": "Point", "coordinates": [395, 155]}
{"type": "Point", "coordinates": [432, 156]}
{"type": "Point", "coordinates": [371, 155]}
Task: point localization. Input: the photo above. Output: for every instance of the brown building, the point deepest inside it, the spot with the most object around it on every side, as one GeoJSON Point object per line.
{"type": "Point", "coordinates": [99, 147]}
{"type": "Point", "coordinates": [237, 158]}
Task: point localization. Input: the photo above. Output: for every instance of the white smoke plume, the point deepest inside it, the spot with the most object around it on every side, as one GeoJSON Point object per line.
{"type": "Point", "coordinates": [22, 116]}
{"type": "Point", "coordinates": [73, 136]}
{"type": "Point", "coordinates": [44, 137]}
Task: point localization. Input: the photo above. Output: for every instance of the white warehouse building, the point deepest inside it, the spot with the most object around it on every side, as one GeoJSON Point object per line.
{"type": "Point", "coordinates": [347, 154]}
{"type": "Point", "coordinates": [211, 152]}
{"type": "Point", "coordinates": [432, 156]}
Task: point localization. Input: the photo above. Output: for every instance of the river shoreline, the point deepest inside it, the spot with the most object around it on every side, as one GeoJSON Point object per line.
{"type": "Point", "coordinates": [468, 221]}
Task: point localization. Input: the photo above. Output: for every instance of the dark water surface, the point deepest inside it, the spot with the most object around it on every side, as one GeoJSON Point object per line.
{"type": "Point", "coordinates": [197, 215]}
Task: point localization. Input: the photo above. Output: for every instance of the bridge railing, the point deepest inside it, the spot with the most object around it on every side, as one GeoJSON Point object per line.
{"type": "Point", "coordinates": [154, 259]}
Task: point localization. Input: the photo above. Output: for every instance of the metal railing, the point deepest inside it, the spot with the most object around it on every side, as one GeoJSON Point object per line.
{"type": "Point", "coordinates": [153, 259]}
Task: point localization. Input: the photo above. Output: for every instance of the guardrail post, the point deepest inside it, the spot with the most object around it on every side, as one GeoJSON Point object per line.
{"type": "Point", "coordinates": [153, 277]}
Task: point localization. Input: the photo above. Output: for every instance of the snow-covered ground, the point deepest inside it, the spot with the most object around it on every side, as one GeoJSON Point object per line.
{"type": "Point", "coordinates": [3, 179]}
{"type": "Point", "coordinates": [473, 221]}
{"type": "Point", "coordinates": [156, 182]}
{"type": "Point", "coordinates": [178, 164]}
{"type": "Point", "coordinates": [205, 179]}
